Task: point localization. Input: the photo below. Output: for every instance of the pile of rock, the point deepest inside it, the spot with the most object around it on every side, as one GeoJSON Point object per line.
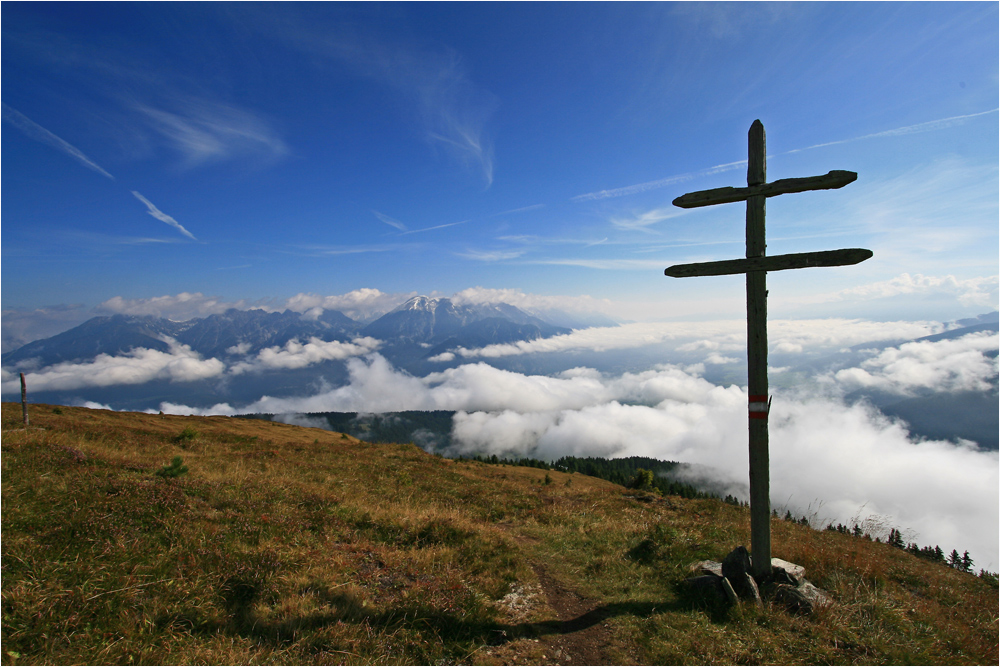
{"type": "Point", "coordinates": [731, 581]}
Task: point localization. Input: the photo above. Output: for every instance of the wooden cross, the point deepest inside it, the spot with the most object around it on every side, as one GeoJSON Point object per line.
{"type": "Point", "coordinates": [755, 266]}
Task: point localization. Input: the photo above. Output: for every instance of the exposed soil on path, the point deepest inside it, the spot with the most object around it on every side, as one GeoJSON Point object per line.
{"type": "Point", "coordinates": [580, 633]}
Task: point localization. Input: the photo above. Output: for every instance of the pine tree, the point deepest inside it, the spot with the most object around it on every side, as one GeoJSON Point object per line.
{"type": "Point", "coordinates": [896, 539]}
{"type": "Point", "coordinates": [954, 560]}
{"type": "Point", "coordinates": [966, 562]}
{"type": "Point", "coordinates": [643, 480]}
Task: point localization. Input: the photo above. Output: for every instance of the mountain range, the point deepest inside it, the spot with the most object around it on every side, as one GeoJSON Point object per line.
{"type": "Point", "coordinates": [417, 329]}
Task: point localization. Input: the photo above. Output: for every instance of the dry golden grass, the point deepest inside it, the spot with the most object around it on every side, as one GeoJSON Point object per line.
{"type": "Point", "coordinates": [292, 545]}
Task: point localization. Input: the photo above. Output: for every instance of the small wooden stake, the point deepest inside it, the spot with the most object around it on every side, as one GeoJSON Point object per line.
{"type": "Point", "coordinates": [24, 401]}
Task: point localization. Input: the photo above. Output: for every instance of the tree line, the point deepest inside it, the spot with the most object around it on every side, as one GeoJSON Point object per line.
{"type": "Point", "coordinates": [634, 472]}
{"type": "Point", "coordinates": [962, 563]}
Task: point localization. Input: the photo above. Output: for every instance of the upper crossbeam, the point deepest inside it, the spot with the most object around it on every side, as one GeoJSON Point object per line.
{"type": "Point", "coordinates": [830, 181]}
{"type": "Point", "coordinates": [798, 260]}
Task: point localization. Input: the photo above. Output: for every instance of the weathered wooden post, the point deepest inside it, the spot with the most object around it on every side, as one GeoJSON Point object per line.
{"type": "Point", "coordinates": [755, 266]}
{"type": "Point", "coordinates": [760, 472]}
{"type": "Point", "coordinates": [24, 401]}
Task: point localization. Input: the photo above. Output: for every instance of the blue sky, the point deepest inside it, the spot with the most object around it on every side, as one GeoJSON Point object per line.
{"type": "Point", "coordinates": [249, 153]}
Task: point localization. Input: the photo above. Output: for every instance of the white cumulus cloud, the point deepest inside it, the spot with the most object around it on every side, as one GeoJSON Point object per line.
{"type": "Point", "coordinates": [177, 307]}
{"type": "Point", "coordinates": [179, 364]}
{"type": "Point", "coordinates": [717, 336]}
{"type": "Point", "coordinates": [982, 292]}
{"type": "Point", "coordinates": [360, 304]}
{"type": "Point", "coordinates": [961, 364]}
{"type": "Point", "coordinates": [295, 354]}
{"type": "Point", "coordinates": [531, 302]}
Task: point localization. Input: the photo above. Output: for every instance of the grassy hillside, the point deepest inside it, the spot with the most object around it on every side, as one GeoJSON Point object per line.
{"type": "Point", "coordinates": [284, 544]}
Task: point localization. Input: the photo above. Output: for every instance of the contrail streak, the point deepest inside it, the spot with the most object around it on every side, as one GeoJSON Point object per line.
{"type": "Point", "coordinates": [35, 131]}
{"type": "Point", "coordinates": [163, 217]}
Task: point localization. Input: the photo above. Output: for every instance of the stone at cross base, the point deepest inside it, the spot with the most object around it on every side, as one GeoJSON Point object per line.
{"type": "Point", "coordinates": [731, 581]}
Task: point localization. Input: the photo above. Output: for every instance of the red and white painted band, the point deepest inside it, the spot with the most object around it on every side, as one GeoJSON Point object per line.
{"type": "Point", "coordinates": [758, 406]}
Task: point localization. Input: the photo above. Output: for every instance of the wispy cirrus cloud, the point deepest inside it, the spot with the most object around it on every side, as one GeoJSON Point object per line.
{"type": "Point", "coordinates": [436, 82]}
{"type": "Point", "coordinates": [325, 250]}
{"type": "Point", "coordinates": [431, 229]}
{"type": "Point", "coordinates": [643, 221]}
{"type": "Point", "coordinates": [657, 184]}
{"type": "Point", "coordinates": [491, 255]}
{"type": "Point", "coordinates": [455, 110]}
{"type": "Point", "coordinates": [35, 131]}
{"type": "Point", "coordinates": [929, 126]}
{"type": "Point", "coordinates": [523, 209]}
{"type": "Point", "coordinates": [163, 217]}
{"type": "Point", "coordinates": [392, 222]}
{"type": "Point", "coordinates": [81, 238]}
{"type": "Point", "coordinates": [404, 230]}
{"type": "Point", "coordinates": [203, 131]}
{"type": "Point", "coordinates": [532, 239]}
{"type": "Point", "coordinates": [604, 264]}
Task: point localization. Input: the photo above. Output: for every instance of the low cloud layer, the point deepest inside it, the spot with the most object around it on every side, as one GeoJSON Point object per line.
{"type": "Point", "coordinates": [181, 364]}
{"type": "Point", "coordinates": [720, 336]}
{"type": "Point", "coordinates": [360, 304]}
{"type": "Point", "coordinates": [21, 326]}
{"type": "Point", "coordinates": [300, 355]}
{"type": "Point", "coordinates": [982, 292]}
{"type": "Point", "coordinates": [532, 302]}
{"type": "Point", "coordinates": [178, 364]}
{"type": "Point", "coordinates": [178, 307]}
{"type": "Point", "coordinates": [962, 364]}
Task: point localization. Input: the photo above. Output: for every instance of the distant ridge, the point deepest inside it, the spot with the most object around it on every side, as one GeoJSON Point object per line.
{"type": "Point", "coordinates": [426, 320]}
{"type": "Point", "coordinates": [423, 321]}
